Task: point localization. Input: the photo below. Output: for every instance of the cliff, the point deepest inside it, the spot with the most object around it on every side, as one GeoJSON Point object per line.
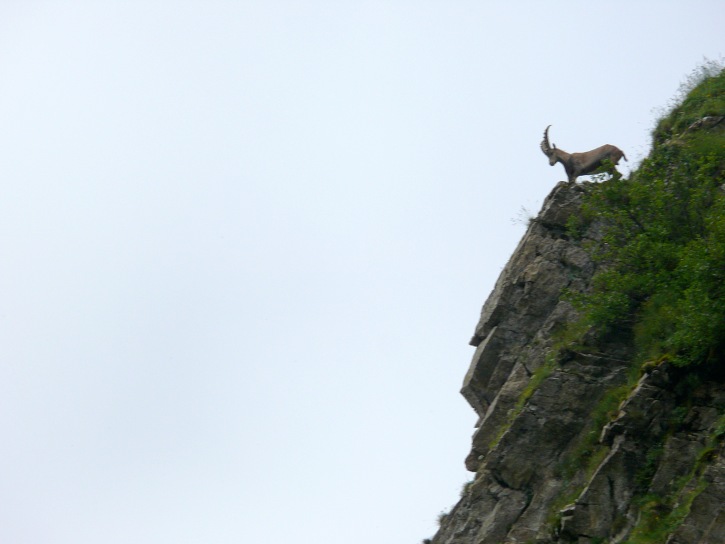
{"type": "Point", "coordinates": [600, 395]}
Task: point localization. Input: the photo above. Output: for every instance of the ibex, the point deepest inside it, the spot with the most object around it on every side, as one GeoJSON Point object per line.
{"type": "Point", "coordinates": [579, 164]}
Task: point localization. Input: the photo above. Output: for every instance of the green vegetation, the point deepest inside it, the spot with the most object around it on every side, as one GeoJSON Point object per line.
{"type": "Point", "coordinates": [701, 95]}
{"type": "Point", "coordinates": [662, 245]}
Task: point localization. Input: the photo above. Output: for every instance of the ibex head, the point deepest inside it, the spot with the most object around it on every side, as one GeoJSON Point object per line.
{"type": "Point", "coordinates": [549, 150]}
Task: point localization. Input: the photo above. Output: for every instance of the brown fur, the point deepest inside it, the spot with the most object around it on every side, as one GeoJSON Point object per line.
{"type": "Point", "coordinates": [579, 164]}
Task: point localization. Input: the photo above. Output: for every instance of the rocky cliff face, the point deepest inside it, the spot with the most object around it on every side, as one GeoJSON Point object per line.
{"type": "Point", "coordinates": [573, 444]}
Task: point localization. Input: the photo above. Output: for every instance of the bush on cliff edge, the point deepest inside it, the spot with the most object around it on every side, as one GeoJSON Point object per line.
{"type": "Point", "coordinates": [662, 248]}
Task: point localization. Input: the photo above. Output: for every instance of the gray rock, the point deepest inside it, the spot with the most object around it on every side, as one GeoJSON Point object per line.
{"type": "Point", "coordinates": [525, 489]}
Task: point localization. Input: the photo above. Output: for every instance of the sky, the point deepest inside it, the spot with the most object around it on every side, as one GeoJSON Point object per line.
{"type": "Point", "coordinates": [243, 246]}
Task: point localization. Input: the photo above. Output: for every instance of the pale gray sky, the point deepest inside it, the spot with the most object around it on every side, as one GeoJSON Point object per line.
{"type": "Point", "coordinates": [244, 245]}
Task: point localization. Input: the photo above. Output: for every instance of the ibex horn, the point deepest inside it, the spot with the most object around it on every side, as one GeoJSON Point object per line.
{"type": "Point", "coordinates": [545, 147]}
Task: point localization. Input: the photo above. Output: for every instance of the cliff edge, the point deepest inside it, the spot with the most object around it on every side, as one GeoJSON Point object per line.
{"type": "Point", "coordinates": [606, 431]}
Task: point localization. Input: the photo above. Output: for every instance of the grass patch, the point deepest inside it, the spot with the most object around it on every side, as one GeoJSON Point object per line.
{"type": "Point", "coordinates": [700, 95]}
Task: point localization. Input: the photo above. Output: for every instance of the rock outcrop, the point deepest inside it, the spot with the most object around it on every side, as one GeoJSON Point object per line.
{"type": "Point", "coordinates": [569, 446]}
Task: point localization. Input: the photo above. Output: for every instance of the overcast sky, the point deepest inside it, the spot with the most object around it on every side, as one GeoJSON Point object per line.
{"type": "Point", "coordinates": [243, 246]}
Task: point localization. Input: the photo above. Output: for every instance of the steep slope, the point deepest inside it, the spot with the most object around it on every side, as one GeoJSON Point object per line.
{"type": "Point", "coordinates": [598, 372]}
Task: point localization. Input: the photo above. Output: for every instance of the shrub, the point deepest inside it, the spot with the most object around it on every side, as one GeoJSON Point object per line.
{"type": "Point", "coordinates": [662, 250]}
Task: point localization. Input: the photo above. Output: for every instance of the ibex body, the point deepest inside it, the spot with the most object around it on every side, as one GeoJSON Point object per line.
{"type": "Point", "coordinates": [579, 164]}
